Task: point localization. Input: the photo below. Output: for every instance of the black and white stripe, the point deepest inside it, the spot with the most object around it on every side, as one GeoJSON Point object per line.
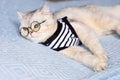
{"type": "Point", "coordinates": [64, 36]}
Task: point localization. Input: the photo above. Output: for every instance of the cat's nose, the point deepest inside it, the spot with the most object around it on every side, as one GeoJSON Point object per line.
{"type": "Point", "coordinates": [30, 31]}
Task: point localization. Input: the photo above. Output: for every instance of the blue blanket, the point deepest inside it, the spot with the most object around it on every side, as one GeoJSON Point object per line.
{"type": "Point", "coordinates": [21, 59]}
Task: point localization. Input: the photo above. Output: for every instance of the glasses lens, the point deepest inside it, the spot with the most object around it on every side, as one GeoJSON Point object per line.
{"type": "Point", "coordinates": [24, 31]}
{"type": "Point", "coordinates": [35, 26]}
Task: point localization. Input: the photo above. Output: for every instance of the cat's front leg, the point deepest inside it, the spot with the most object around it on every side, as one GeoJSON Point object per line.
{"type": "Point", "coordinates": [80, 54]}
{"type": "Point", "coordinates": [90, 39]}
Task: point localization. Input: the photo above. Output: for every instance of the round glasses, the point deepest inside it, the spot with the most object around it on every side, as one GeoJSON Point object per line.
{"type": "Point", "coordinates": [34, 27]}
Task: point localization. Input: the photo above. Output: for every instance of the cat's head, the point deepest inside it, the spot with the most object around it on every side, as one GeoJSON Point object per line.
{"type": "Point", "coordinates": [37, 25]}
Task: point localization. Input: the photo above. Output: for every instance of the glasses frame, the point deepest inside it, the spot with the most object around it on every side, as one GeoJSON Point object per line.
{"type": "Point", "coordinates": [30, 27]}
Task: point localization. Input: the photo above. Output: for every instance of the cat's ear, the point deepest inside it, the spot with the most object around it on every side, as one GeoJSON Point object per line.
{"type": "Point", "coordinates": [46, 9]}
{"type": "Point", "coordinates": [20, 14]}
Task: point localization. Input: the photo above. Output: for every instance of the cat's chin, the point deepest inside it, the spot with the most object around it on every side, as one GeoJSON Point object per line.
{"type": "Point", "coordinates": [37, 40]}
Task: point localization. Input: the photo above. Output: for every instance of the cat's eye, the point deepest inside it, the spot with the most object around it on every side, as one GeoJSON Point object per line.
{"type": "Point", "coordinates": [24, 31]}
{"type": "Point", "coordinates": [35, 26]}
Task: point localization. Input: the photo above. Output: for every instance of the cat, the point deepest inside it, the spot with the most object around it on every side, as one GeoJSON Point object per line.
{"type": "Point", "coordinates": [88, 22]}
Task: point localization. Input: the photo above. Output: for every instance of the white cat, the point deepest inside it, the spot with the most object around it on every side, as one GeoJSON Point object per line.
{"type": "Point", "coordinates": [88, 23]}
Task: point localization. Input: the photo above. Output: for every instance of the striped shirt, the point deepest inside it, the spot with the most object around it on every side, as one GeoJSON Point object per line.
{"type": "Point", "coordinates": [64, 36]}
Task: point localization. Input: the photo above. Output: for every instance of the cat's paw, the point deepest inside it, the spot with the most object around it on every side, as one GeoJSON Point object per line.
{"type": "Point", "coordinates": [100, 63]}
{"type": "Point", "coordinates": [100, 66]}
